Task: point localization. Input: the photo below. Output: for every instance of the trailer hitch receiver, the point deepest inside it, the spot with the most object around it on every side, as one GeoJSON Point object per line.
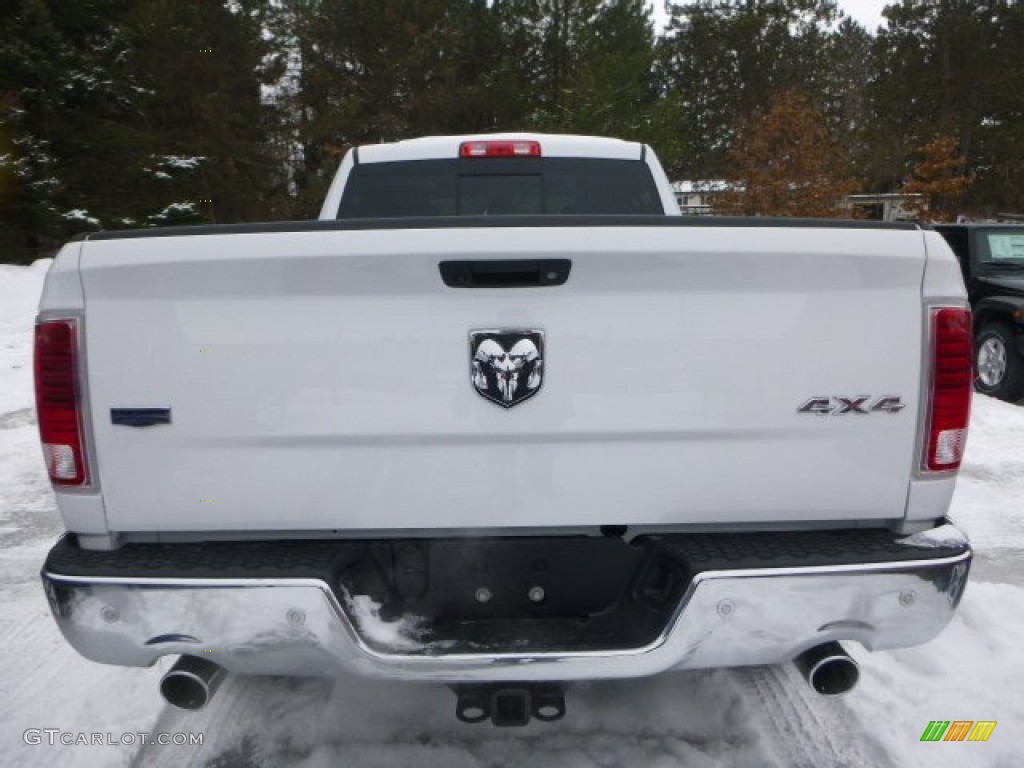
{"type": "Point", "coordinates": [510, 704]}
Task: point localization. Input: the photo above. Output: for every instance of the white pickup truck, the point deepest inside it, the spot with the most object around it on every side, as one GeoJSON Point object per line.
{"type": "Point", "coordinates": [501, 419]}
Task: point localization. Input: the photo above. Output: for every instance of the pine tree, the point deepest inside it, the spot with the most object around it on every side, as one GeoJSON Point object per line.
{"type": "Point", "coordinates": [381, 70]}
{"type": "Point", "coordinates": [952, 69]}
{"type": "Point", "coordinates": [581, 66]}
{"type": "Point", "coordinates": [720, 64]}
{"type": "Point", "coordinates": [62, 88]}
{"type": "Point", "coordinates": [200, 127]}
{"type": "Point", "coordinates": [106, 107]}
{"type": "Point", "coordinates": [996, 153]}
{"type": "Point", "coordinates": [846, 72]}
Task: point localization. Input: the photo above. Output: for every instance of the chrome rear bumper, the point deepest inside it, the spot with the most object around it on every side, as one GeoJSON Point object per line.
{"type": "Point", "coordinates": [298, 626]}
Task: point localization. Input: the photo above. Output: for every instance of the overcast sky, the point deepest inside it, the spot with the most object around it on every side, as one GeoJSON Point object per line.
{"type": "Point", "coordinates": [867, 12]}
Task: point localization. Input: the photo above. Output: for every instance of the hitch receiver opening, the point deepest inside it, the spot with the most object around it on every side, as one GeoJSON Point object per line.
{"type": "Point", "coordinates": [510, 704]}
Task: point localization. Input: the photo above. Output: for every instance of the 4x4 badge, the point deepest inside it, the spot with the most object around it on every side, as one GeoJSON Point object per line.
{"type": "Point", "coordinates": [506, 366]}
{"type": "Point", "coordinates": [824, 406]}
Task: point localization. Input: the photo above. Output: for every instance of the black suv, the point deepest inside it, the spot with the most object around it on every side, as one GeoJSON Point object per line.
{"type": "Point", "coordinates": [992, 260]}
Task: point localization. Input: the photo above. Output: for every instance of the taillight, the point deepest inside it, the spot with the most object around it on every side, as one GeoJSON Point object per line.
{"type": "Point", "coordinates": [949, 402]}
{"type": "Point", "coordinates": [499, 149]}
{"type": "Point", "coordinates": [58, 403]}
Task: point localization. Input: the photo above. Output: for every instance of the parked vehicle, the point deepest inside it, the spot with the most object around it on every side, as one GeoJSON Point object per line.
{"type": "Point", "coordinates": [991, 259]}
{"type": "Point", "coordinates": [500, 420]}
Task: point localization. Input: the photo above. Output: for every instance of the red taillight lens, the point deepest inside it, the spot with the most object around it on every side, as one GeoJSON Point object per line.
{"type": "Point", "coordinates": [57, 401]}
{"type": "Point", "coordinates": [499, 149]}
{"type": "Point", "coordinates": [949, 406]}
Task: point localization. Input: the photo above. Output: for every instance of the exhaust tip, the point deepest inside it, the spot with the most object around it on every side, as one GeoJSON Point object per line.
{"type": "Point", "coordinates": [191, 682]}
{"type": "Point", "coordinates": [828, 669]}
{"type": "Point", "coordinates": [834, 676]}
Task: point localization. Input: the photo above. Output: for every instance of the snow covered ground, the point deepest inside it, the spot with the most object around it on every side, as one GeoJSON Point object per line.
{"type": "Point", "coordinates": [752, 717]}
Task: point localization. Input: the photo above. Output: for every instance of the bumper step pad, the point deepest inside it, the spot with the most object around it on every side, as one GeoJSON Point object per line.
{"type": "Point", "coordinates": [321, 558]}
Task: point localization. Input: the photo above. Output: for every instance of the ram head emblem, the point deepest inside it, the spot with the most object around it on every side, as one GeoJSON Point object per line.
{"type": "Point", "coordinates": [506, 367]}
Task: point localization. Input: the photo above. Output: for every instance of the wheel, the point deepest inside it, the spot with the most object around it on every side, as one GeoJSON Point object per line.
{"type": "Point", "coordinates": [998, 368]}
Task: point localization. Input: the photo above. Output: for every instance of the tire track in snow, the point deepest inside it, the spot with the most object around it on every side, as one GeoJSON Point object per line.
{"type": "Point", "coordinates": [813, 731]}
{"type": "Point", "coordinates": [263, 721]}
{"type": "Point", "coordinates": [690, 719]}
{"type": "Point", "coordinates": [235, 723]}
{"type": "Point", "coordinates": [53, 687]}
{"type": "Point", "coordinates": [23, 633]}
{"type": "Point", "coordinates": [20, 418]}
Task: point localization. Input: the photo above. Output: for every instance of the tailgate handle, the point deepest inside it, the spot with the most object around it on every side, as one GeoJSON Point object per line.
{"type": "Point", "coordinates": [505, 273]}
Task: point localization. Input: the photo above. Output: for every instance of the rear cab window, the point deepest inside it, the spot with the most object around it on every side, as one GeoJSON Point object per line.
{"type": "Point", "coordinates": [499, 187]}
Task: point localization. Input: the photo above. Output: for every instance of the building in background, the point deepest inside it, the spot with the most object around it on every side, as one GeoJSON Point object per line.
{"type": "Point", "coordinates": [890, 206]}
{"type": "Point", "coordinates": [696, 198]}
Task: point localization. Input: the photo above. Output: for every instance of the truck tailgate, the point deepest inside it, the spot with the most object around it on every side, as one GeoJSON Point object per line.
{"type": "Point", "coordinates": [320, 381]}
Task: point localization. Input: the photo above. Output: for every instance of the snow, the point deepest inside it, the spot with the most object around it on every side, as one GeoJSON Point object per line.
{"type": "Point", "coordinates": [79, 214]}
{"type": "Point", "coordinates": [174, 209]}
{"type": "Point", "coordinates": [753, 718]}
{"type": "Point", "coordinates": [687, 187]}
{"type": "Point", "coordinates": [941, 536]}
{"type": "Point", "coordinates": [181, 162]}
{"type": "Point", "coordinates": [19, 294]}
{"type": "Point", "coordinates": [43, 685]}
{"type": "Point", "coordinates": [387, 635]}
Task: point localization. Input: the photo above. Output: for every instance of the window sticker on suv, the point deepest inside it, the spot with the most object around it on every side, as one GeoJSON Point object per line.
{"type": "Point", "coordinates": [1004, 245]}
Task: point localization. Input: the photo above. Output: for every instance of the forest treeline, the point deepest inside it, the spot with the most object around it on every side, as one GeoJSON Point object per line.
{"type": "Point", "coordinates": [134, 113]}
